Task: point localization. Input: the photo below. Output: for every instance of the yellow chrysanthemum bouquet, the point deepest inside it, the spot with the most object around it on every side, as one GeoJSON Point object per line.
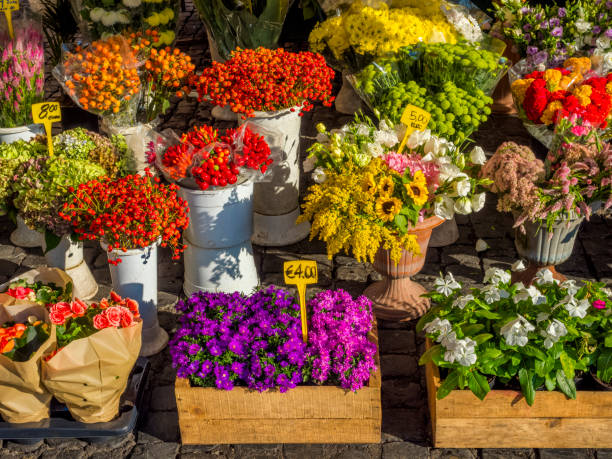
{"type": "Point", "coordinates": [368, 196]}
{"type": "Point", "coordinates": [363, 32]}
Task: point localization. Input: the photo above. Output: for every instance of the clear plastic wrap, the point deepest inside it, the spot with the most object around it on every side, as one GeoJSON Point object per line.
{"type": "Point", "coordinates": [102, 78]}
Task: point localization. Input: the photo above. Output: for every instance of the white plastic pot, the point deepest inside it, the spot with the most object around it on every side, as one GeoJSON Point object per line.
{"type": "Point", "coordinates": [136, 277]}
{"type": "Point", "coordinates": [68, 256]}
{"type": "Point", "coordinates": [10, 135]}
{"type": "Point", "coordinates": [24, 236]}
{"type": "Point", "coordinates": [221, 217]}
{"type": "Point", "coordinates": [276, 201]}
{"type": "Point", "coordinates": [227, 269]}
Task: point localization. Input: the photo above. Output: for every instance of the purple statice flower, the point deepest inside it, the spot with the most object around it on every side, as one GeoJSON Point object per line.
{"type": "Point", "coordinates": [596, 30]}
{"type": "Point", "coordinates": [562, 12]}
{"type": "Point", "coordinates": [527, 28]}
{"type": "Point", "coordinates": [527, 37]}
{"type": "Point", "coordinates": [531, 50]}
{"type": "Point", "coordinates": [554, 22]}
{"type": "Point", "coordinates": [557, 32]}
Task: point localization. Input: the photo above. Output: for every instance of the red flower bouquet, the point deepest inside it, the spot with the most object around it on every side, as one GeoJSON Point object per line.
{"type": "Point", "coordinates": [571, 92]}
{"type": "Point", "coordinates": [131, 212]}
{"type": "Point", "coordinates": [212, 160]}
{"type": "Point", "coordinates": [266, 80]}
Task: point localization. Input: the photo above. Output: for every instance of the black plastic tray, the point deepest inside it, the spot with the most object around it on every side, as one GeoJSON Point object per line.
{"type": "Point", "coordinates": [61, 424]}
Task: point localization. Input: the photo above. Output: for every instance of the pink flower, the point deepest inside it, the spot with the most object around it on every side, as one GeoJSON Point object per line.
{"type": "Point", "coordinates": [100, 322]}
{"type": "Point", "coordinates": [580, 130]}
{"type": "Point", "coordinates": [57, 318]}
{"type": "Point", "coordinates": [397, 162]}
{"type": "Point", "coordinates": [599, 304]}
{"type": "Point", "coordinates": [21, 293]}
{"type": "Point", "coordinates": [78, 308]}
{"type": "Point", "coordinates": [113, 315]}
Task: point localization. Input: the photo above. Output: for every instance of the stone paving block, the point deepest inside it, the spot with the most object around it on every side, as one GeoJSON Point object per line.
{"type": "Point", "coordinates": [465, 255]}
{"type": "Point", "coordinates": [396, 341]}
{"type": "Point", "coordinates": [311, 451]}
{"type": "Point", "coordinates": [404, 424]}
{"type": "Point", "coordinates": [206, 451]}
{"type": "Point", "coordinates": [566, 454]}
{"type": "Point", "coordinates": [404, 450]}
{"type": "Point", "coordinates": [259, 451]}
{"type": "Point", "coordinates": [402, 393]}
{"type": "Point", "coordinates": [163, 399]}
{"type": "Point", "coordinates": [371, 451]}
{"type": "Point", "coordinates": [454, 454]}
{"type": "Point", "coordinates": [162, 425]}
{"type": "Point", "coordinates": [155, 451]}
{"type": "Point", "coordinates": [508, 453]}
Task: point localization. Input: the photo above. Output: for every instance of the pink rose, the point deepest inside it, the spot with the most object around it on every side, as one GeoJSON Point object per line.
{"type": "Point", "coordinates": [21, 293]}
{"type": "Point", "coordinates": [113, 315]}
{"type": "Point", "coordinates": [599, 304]}
{"type": "Point", "coordinates": [63, 308]}
{"type": "Point", "coordinates": [57, 318]}
{"type": "Point", "coordinates": [133, 306]}
{"type": "Point", "coordinates": [127, 318]}
{"type": "Point", "coordinates": [100, 322]}
{"type": "Point", "coordinates": [78, 308]}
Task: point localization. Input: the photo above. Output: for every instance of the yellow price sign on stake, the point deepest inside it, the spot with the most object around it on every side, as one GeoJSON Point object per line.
{"type": "Point", "coordinates": [301, 273]}
{"type": "Point", "coordinates": [8, 6]}
{"type": "Point", "coordinates": [47, 113]}
{"type": "Point", "coordinates": [415, 119]}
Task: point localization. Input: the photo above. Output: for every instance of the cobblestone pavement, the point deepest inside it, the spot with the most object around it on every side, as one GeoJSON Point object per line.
{"type": "Point", "coordinates": [406, 432]}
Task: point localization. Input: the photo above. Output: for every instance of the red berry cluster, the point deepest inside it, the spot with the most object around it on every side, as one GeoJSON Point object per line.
{"type": "Point", "coordinates": [131, 212]}
{"type": "Point", "coordinates": [266, 80]}
{"type": "Point", "coordinates": [250, 149]}
{"type": "Point", "coordinates": [213, 163]}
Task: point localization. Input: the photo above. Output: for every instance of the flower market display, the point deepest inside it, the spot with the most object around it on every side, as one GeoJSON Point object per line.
{"type": "Point", "coordinates": [228, 340]}
{"type": "Point", "coordinates": [44, 293]}
{"type": "Point", "coordinates": [21, 80]}
{"type": "Point", "coordinates": [380, 205]}
{"type": "Point", "coordinates": [232, 25]}
{"type": "Point", "coordinates": [542, 336]}
{"type": "Point", "coordinates": [550, 199]}
{"type": "Point", "coordinates": [453, 82]}
{"type": "Point", "coordinates": [97, 346]}
{"type": "Point", "coordinates": [131, 216]}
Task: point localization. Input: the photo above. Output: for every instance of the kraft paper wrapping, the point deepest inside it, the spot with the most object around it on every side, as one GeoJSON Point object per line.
{"type": "Point", "coordinates": [23, 397]}
{"type": "Point", "coordinates": [44, 275]}
{"type": "Point", "coordinates": [90, 374]}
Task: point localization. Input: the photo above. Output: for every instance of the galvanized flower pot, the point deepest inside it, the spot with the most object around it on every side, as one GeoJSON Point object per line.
{"type": "Point", "coordinates": [545, 249]}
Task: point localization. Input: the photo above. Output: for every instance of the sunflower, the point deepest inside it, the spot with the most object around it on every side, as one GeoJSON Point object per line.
{"type": "Point", "coordinates": [385, 187]}
{"type": "Point", "coordinates": [368, 184]}
{"type": "Point", "coordinates": [417, 189]}
{"type": "Point", "coordinates": [387, 208]}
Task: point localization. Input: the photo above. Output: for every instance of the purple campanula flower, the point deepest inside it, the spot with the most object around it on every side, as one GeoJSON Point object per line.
{"type": "Point", "coordinates": [596, 30]}
{"type": "Point", "coordinates": [527, 28]}
{"type": "Point", "coordinates": [557, 32]}
{"type": "Point", "coordinates": [554, 22]}
{"type": "Point", "coordinates": [531, 50]}
{"type": "Point", "coordinates": [527, 37]}
{"type": "Point", "coordinates": [609, 33]}
{"type": "Point", "coordinates": [562, 12]}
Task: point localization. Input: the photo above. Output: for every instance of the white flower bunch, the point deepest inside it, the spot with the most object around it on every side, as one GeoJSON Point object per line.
{"type": "Point", "coordinates": [463, 22]}
{"type": "Point", "coordinates": [446, 284]}
{"type": "Point", "coordinates": [515, 332]}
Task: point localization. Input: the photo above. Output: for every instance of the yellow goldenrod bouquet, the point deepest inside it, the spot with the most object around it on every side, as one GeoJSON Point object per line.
{"type": "Point", "coordinates": [367, 195]}
{"type": "Point", "coordinates": [364, 33]}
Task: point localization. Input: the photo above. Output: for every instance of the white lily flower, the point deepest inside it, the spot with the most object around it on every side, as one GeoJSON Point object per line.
{"type": "Point", "coordinates": [463, 206]}
{"type": "Point", "coordinates": [495, 276]}
{"type": "Point", "coordinates": [478, 201]}
{"type": "Point", "coordinates": [446, 285]}
{"type": "Point", "coordinates": [477, 156]}
{"type": "Point", "coordinates": [515, 332]}
{"type": "Point", "coordinates": [571, 286]}
{"type": "Point", "coordinates": [462, 186]}
{"type": "Point", "coordinates": [575, 307]}
{"type": "Point", "coordinates": [418, 138]}
{"type": "Point", "coordinates": [553, 333]}
{"type": "Point", "coordinates": [363, 129]}
{"type": "Point", "coordinates": [462, 301]}
{"type": "Point", "coordinates": [449, 172]}
{"type": "Point", "coordinates": [375, 149]}
{"type": "Point", "coordinates": [444, 207]}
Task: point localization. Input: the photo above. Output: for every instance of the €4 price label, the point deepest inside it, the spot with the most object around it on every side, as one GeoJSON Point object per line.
{"type": "Point", "coordinates": [47, 113]}
{"type": "Point", "coordinates": [415, 119]}
{"type": "Point", "coordinates": [301, 273]}
{"type": "Point", "coordinates": [8, 6]}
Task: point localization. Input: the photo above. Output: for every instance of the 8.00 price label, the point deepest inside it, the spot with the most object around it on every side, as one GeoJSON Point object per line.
{"type": "Point", "coordinates": [47, 113]}
{"type": "Point", "coordinates": [9, 5]}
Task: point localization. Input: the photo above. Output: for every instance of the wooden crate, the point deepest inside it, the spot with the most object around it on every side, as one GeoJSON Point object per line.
{"type": "Point", "coordinates": [504, 420]}
{"type": "Point", "coordinates": [306, 414]}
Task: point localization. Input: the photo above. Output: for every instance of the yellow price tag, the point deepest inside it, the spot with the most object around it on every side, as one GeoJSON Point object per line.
{"type": "Point", "coordinates": [8, 6]}
{"type": "Point", "coordinates": [301, 273]}
{"type": "Point", "coordinates": [47, 113]}
{"type": "Point", "coordinates": [415, 119]}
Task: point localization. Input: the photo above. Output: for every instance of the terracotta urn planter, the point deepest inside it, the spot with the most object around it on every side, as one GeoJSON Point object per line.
{"type": "Point", "coordinates": [397, 297]}
{"type": "Point", "coordinates": [545, 249]}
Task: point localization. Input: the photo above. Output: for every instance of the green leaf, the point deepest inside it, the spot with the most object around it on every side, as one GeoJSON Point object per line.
{"type": "Point", "coordinates": [544, 367]}
{"type": "Point", "coordinates": [51, 240]}
{"type": "Point", "coordinates": [566, 385]}
{"type": "Point", "coordinates": [604, 365]}
{"type": "Point", "coordinates": [401, 223]}
{"type": "Point", "coordinates": [472, 329]}
{"type": "Point", "coordinates": [550, 383]}
{"type": "Point", "coordinates": [478, 384]}
{"type": "Point", "coordinates": [487, 314]}
{"type": "Point", "coordinates": [608, 340]}
{"type": "Point", "coordinates": [526, 380]}
{"type": "Point", "coordinates": [428, 317]}
{"type": "Point", "coordinates": [534, 352]}
{"type": "Point", "coordinates": [568, 365]}
{"type": "Point", "coordinates": [430, 353]}
{"type": "Point", "coordinates": [482, 338]}
{"type": "Point", "coordinates": [449, 384]}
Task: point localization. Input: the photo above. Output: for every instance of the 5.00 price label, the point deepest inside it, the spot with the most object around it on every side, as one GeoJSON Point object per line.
{"type": "Point", "coordinates": [301, 273]}
{"type": "Point", "coordinates": [415, 119]}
